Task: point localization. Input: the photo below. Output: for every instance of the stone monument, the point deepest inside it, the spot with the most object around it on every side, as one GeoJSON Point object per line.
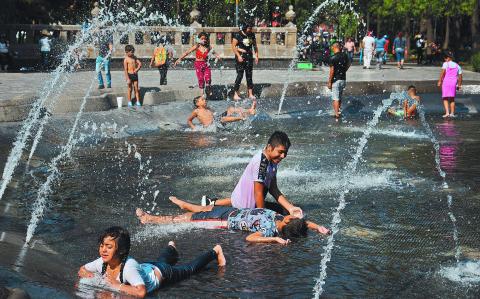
{"type": "Point", "coordinates": [194, 17]}
{"type": "Point", "coordinates": [290, 16]}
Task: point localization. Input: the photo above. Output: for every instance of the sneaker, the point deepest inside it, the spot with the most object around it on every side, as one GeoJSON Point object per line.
{"type": "Point", "coordinates": [130, 104]}
{"type": "Point", "coordinates": [452, 115]}
{"type": "Point", "coordinates": [138, 104]}
{"type": "Point", "coordinates": [101, 87]}
{"type": "Point", "coordinates": [109, 85]}
{"type": "Point", "coordinates": [204, 201]}
{"type": "Point", "coordinates": [445, 115]}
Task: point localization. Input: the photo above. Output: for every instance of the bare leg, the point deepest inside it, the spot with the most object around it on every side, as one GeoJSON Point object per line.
{"type": "Point", "coordinates": [220, 256]}
{"type": "Point", "coordinates": [336, 108]}
{"type": "Point", "coordinates": [452, 106]}
{"type": "Point", "coordinates": [129, 94]}
{"type": "Point", "coordinates": [250, 94]}
{"type": "Point", "coordinates": [445, 105]}
{"type": "Point", "coordinates": [236, 97]}
{"type": "Point", "coordinates": [147, 218]}
{"type": "Point", "coordinates": [189, 206]}
{"type": "Point", "coordinates": [137, 93]}
{"type": "Point", "coordinates": [253, 109]}
{"type": "Point", "coordinates": [223, 202]}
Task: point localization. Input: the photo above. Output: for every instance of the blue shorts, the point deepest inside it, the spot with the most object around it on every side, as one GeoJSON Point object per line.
{"type": "Point", "coordinates": [400, 53]}
{"type": "Point", "coordinates": [217, 213]}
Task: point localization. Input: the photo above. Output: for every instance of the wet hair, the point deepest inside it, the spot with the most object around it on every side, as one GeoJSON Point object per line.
{"type": "Point", "coordinates": [195, 101]}
{"type": "Point", "coordinates": [129, 48]}
{"type": "Point", "coordinates": [412, 86]}
{"type": "Point", "coordinates": [448, 54]}
{"type": "Point", "coordinates": [296, 228]}
{"type": "Point", "coordinates": [245, 26]}
{"type": "Point", "coordinates": [207, 40]}
{"type": "Point", "coordinates": [122, 238]}
{"type": "Point", "coordinates": [400, 34]}
{"type": "Point", "coordinates": [279, 138]}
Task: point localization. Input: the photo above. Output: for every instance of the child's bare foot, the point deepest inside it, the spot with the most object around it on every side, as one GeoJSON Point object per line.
{"type": "Point", "coordinates": [142, 216]}
{"type": "Point", "coordinates": [236, 97]}
{"type": "Point", "coordinates": [220, 257]}
{"type": "Point", "coordinates": [252, 97]}
{"type": "Point", "coordinates": [180, 203]}
{"type": "Point", "coordinates": [252, 109]}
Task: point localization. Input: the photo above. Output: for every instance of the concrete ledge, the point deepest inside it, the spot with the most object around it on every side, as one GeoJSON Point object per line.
{"type": "Point", "coordinates": [16, 109]}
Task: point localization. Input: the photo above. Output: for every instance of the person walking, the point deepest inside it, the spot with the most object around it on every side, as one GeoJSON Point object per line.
{"type": "Point", "coordinates": [420, 45]}
{"type": "Point", "coordinates": [400, 49]}
{"type": "Point", "coordinates": [380, 50]}
{"type": "Point", "coordinates": [244, 45]}
{"type": "Point", "coordinates": [350, 47]}
{"type": "Point", "coordinates": [162, 55]}
{"type": "Point", "coordinates": [45, 44]}
{"type": "Point", "coordinates": [450, 81]}
{"type": "Point", "coordinates": [105, 48]}
{"type": "Point", "coordinates": [4, 52]}
{"type": "Point", "coordinates": [368, 49]}
{"type": "Point", "coordinates": [339, 64]}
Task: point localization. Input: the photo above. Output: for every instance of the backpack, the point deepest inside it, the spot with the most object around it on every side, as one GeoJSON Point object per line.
{"type": "Point", "coordinates": [160, 55]}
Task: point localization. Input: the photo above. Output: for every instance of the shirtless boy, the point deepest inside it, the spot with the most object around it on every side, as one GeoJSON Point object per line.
{"type": "Point", "coordinates": [409, 105]}
{"type": "Point", "coordinates": [131, 66]}
{"type": "Point", "coordinates": [206, 118]}
{"type": "Point", "coordinates": [265, 226]}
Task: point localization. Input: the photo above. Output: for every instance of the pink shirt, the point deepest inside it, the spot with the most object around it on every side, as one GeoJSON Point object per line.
{"type": "Point", "coordinates": [260, 169]}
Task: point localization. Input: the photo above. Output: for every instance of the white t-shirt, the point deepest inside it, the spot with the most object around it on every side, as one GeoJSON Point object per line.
{"type": "Point", "coordinates": [133, 273]}
{"type": "Point", "coordinates": [452, 65]}
{"type": "Point", "coordinates": [44, 44]}
{"type": "Point", "coordinates": [368, 43]}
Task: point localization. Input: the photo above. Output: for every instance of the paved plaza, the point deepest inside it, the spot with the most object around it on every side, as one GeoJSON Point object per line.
{"type": "Point", "coordinates": [14, 85]}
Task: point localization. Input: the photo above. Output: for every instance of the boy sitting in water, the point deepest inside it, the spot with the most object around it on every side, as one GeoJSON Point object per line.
{"type": "Point", "coordinates": [131, 66]}
{"type": "Point", "coordinates": [409, 105]}
{"type": "Point", "coordinates": [265, 225]}
{"type": "Point", "coordinates": [260, 178]}
{"type": "Point", "coordinates": [205, 115]}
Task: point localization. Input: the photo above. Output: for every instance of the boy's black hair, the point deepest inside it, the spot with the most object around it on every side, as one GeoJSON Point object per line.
{"type": "Point", "coordinates": [244, 26]}
{"type": "Point", "coordinates": [279, 138]}
{"type": "Point", "coordinates": [295, 229]}
{"type": "Point", "coordinates": [412, 86]}
{"type": "Point", "coordinates": [195, 100]}
{"type": "Point", "coordinates": [122, 238]}
{"type": "Point", "coordinates": [129, 48]}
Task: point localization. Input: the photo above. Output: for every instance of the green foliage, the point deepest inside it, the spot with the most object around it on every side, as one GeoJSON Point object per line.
{"type": "Point", "coordinates": [475, 61]}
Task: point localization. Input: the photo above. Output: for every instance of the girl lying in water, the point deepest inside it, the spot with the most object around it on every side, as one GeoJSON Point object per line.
{"type": "Point", "coordinates": [409, 106]}
{"type": "Point", "coordinates": [265, 225]}
{"type": "Point", "coordinates": [127, 276]}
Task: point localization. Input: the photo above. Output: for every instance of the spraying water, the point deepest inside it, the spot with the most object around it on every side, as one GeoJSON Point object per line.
{"type": "Point", "coordinates": [45, 190]}
{"type": "Point", "coordinates": [301, 40]}
{"type": "Point", "coordinates": [350, 170]}
{"type": "Point", "coordinates": [436, 146]}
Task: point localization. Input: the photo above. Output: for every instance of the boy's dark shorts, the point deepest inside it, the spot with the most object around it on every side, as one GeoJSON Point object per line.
{"type": "Point", "coordinates": [217, 213]}
{"type": "Point", "coordinates": [133, 77]}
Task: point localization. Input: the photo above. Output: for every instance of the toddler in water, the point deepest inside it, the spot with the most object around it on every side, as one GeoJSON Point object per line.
{"type": "Point", "coordinates": [131, 66]}
{"type": "Point", "coordinates": [126, 275]}
{"type": "Point", "coordinates": [450, 80]}
{"type": "Point", "coordinates": [202, 67]}
{"type": "Point", "coordinates": [409, 106]}
{"type": "Point", "coordinates": [206, 118]}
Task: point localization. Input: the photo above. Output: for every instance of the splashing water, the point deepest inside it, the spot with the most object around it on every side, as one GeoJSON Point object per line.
{"type": "Point", "coordinates": [308, 24]}
{"type": "Point", "coordinates": [436, 146]}
{"type": "Point", "coordinates": [467, 272]}
{"type": "Point", "coordinates": [350, 169]}
{"type": "Point", "coordinates": [55, 84]}
{"type": "Point", "coordinates": [45, 190]}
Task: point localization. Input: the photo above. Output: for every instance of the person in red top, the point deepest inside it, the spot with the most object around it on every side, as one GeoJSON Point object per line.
{"type": "Point", "coordinates": [202, 68]}
{"type": "Point", "coordinates": [385, 49]}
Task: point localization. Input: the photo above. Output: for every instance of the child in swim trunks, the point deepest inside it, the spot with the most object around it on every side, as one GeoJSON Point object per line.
{"type": "Point", "coordinates": [264, 225]}
{"type": "Point", "coordinates": [131, 66]}
{"type": "Point", "coordinates": [409, 105]}
{"type": "Point", "coordinates": [450, 80]}
{"type": "Point", "coordinates": [126, 275]}
{"type": "Point", "coordinates": [206, 117]}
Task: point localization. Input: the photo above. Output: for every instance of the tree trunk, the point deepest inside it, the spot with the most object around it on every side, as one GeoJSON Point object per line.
{"type": "Point", "coordinates": [379, 26]}
{"type": "Point", "coordinates": [474, 26]}
{"type": "Point", "coordinates": [429, 29]}
{"type": "Point", "coordinates": [459, 36]}
{"type": "Point", "coordinates": [406, 31]}
{"type": "Point", "coordinates": [446, 41]}
{"type": "Point", "coordinates": [368, 21]}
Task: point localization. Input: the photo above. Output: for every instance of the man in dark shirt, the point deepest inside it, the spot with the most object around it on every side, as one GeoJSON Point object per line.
{"type": "Point", "coordinates": [339, 64]}
{"type": "Point", "coordinates": [105, 47]}
{"type": "Point", "coordinates": [244, 45]}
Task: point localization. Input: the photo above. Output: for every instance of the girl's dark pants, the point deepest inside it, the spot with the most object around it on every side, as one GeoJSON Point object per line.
{"type": "Point", "coordinates": [244, 67]}
{"type": "Point", "coordinates": [172, 273]}
{"type": "Point", "coordinates": [163, 73]}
